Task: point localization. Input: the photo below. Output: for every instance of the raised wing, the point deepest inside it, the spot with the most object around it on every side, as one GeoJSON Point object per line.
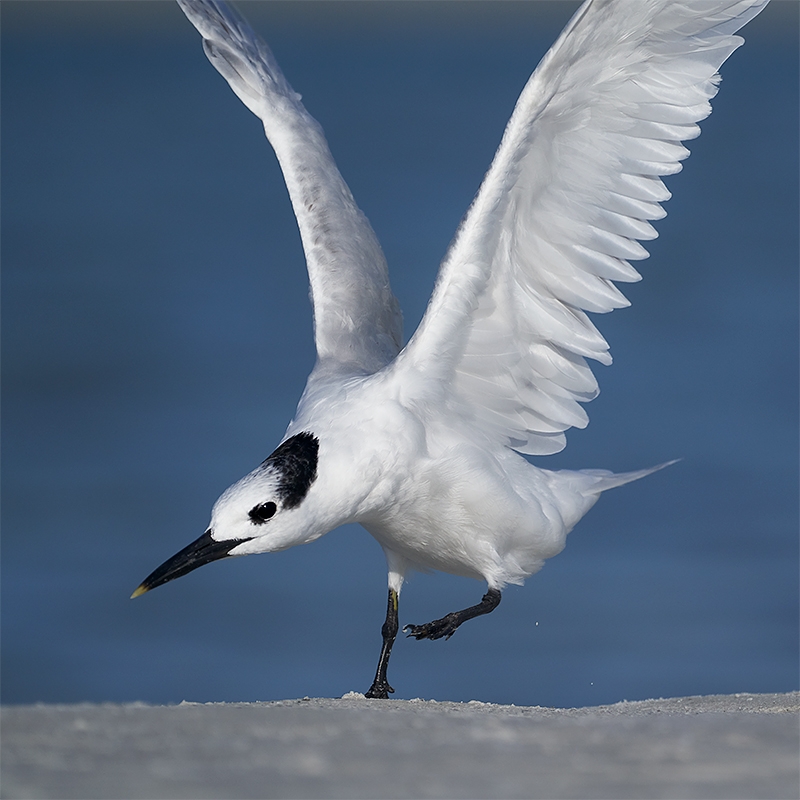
{"type": "Point", "coordinates": [357, 321]}
{"type": "Point", "coordinates": [561, 212]}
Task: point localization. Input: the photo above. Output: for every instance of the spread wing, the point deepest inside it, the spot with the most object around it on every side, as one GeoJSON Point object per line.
{"type": "Point", "coordinates": [561, 212]}
{"type": "Point", "coordinates": [357, 321]}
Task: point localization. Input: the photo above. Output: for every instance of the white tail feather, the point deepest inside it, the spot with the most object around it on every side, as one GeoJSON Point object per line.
{"type": "Point", "coordinates": [609, 480]}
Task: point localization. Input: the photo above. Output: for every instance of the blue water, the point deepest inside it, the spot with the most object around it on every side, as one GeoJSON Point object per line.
{"type": "Point", "coordinates": [156, 337]}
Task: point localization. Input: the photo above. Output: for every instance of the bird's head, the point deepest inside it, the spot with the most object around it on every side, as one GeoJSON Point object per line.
{"type": "Point", "coordinates": [263, 512]}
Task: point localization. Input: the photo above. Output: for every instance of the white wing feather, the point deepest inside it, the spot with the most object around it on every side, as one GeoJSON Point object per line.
{"type": "Point", "coordinates": [357, 321]}
{"type": "Point", "coordinates": [561, 212]}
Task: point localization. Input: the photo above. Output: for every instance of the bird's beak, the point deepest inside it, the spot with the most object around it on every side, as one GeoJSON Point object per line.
{"type": "Point", "coordinates": [202, 551]}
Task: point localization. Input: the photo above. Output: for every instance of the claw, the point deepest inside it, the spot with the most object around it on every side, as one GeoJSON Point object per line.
{"type": "Point", "coordinates": [379, 691]}
{"type": "Point", "coordinates": [431, 630]}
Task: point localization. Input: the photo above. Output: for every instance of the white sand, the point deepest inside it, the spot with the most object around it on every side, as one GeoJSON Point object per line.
{"type": "Point", "coordinates": [702, 747]}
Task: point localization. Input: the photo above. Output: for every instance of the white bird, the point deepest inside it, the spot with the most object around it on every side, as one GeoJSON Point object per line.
{"type": "Point", "coordinates": [421, 444]}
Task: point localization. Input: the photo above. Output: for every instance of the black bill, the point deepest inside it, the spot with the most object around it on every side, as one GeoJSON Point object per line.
{"type": "Point", "coordinates": [202, 551]}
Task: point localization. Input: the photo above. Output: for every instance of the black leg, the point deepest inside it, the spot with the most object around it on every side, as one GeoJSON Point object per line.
{"type": "Point", "coordinates": [380, 686]}
{"type": "Point", "coordinates": [446, 626]}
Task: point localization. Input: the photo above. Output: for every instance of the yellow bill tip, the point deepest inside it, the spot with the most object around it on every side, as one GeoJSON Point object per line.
{"type": "Point", "coordinates": [140, 590]}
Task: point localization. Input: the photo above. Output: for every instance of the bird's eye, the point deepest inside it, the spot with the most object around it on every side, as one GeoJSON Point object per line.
{"type": "Point", "coordinates": [262, 512]}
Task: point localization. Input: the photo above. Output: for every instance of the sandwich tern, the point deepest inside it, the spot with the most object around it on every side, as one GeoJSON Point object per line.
{"type": "Point", "coordinates": [423, 443]}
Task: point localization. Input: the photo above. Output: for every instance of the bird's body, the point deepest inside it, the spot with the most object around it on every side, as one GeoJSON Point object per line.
{"type": "Point", "coordinates": [431, 491]}
{"type": "Point", "coordinates": [421, 444]}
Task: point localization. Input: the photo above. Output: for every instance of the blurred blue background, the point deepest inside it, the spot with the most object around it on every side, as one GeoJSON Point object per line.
{"type": "Point", "coordinates": [157, 335]}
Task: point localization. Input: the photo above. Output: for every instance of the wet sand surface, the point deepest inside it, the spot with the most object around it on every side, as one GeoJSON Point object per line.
{"type": "Point", "coordinates": [723, 746]}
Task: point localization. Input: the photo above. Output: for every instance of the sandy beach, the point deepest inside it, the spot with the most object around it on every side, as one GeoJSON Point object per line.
{"type": "Point", "coordinates": [731, 746]}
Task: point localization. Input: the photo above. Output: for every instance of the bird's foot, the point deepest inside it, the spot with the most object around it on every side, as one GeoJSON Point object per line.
{"type": "Point", "coordinates": [444, 627]}
{"type": "Point", "coordinates": [380, 690]}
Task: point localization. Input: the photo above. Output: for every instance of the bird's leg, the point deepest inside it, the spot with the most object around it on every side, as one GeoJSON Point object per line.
{"type": "Point", "coordinates": [446, 626]}
{"type": "Point", "coordinates": [380, 686]}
